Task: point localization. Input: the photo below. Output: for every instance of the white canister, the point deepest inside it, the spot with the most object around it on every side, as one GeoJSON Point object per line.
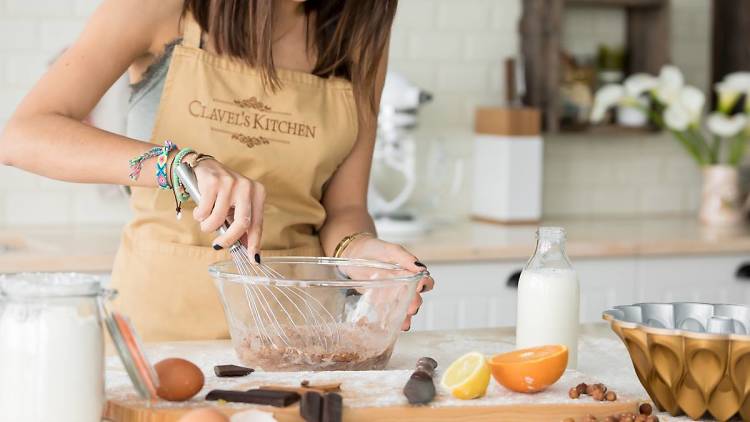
{"type": "Point", "coordinates": [507, 178]}
{"type": "Point", "coordinates": [508, 153]}
{"type": "Point", "coordinates": [51, 348]}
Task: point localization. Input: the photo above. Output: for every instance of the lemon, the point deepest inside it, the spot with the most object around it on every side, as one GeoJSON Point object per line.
{"type": "Point", "coordinates": [467, 377]}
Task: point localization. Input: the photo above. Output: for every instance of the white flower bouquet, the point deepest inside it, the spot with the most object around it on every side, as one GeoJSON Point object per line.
{"type": "Point", "coordinates": [674, 106]}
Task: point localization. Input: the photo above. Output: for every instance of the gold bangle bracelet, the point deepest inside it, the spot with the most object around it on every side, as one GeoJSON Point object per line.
{"type": "Point", "coordinates": [197, 158]}
{"type": "Point", "coordinates": [344, 243]}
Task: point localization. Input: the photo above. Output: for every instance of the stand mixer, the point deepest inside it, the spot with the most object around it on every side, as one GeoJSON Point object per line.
{"type": "Point", "coordinates": [394, 168]}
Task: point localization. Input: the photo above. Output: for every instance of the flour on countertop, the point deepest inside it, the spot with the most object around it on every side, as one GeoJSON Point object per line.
{"type": "Point", "coordinates": [602, 354]}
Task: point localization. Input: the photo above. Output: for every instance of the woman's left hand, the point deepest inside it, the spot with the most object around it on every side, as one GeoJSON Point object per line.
{"type": "Point", "coordinates": [368, 247]}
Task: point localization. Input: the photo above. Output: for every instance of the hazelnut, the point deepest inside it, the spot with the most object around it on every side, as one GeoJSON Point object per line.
{"type": "Point", "coordinates": [589, 388]}
{"type": "Point", "coordinates": [645, 409]}
{"type": "Point", "coordinates": [601, 386]}
{"type": "Point", "coordinates": [610, 396]}
{"type": "Point", "coordinates": [573, 393]}
{"type": "Point", "coordinates": [598, 395]}
{"type": "Point", "coordinates": [582, 388]}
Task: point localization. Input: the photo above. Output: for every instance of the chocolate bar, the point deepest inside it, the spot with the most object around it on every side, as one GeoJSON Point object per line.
{"type": "Point", "coordinates": [332, 408]}
{"type": "Point", "coordinates": [264, 397]}
{"type": "Point", "coordinates": [232, 371]}
{"type": "Point", "coordinates": [311, 406]}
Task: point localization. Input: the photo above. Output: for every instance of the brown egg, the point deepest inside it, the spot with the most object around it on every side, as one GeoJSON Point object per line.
{"type": "Point", "coordinates": [205, 414]}
{"type": "Point", "coordinates": [179, 379]}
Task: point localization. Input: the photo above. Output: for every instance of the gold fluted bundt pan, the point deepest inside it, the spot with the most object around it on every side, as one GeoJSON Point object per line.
{"type": "Point", "coordinates": [691, 358]}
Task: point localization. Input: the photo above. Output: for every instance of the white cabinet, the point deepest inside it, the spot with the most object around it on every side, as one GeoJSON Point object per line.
{"type": "Point", "coordinates": [604, 284]}
{"type": "Point", "coordinates": [477, 294]}
{"type": "Point", "coordinates": [692, 279]}
{"type": "Point", "coordinates": [469, 295]}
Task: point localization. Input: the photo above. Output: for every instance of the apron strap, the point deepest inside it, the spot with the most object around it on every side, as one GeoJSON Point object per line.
{"type": "Point", "coordinates": [191, 34]}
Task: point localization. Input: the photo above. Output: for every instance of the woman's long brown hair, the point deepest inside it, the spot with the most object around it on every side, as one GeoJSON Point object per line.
{"type": "Point", "coordinates": [350, 36]}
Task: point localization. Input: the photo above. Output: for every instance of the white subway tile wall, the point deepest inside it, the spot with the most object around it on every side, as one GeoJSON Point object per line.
{"type": "Point", "coordinates": [585, 28]}
{"type": "Point", "coordinates": [454, 49]}
{"type": "Point", "coordinates": [615, 176]}
{"type": "Point", "coordinates": [32, 34]}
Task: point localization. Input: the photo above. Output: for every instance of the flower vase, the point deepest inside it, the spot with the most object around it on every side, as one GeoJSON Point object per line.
{"type": "Point", "coordinates": [720, 199]}
{"type": "Point", "coordinates": [631, 114]}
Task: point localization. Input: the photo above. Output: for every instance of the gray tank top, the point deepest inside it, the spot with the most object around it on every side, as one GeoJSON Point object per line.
{"type": "Point", "coordinates": [146, 95]}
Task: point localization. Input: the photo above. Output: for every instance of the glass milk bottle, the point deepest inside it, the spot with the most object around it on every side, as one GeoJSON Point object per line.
{"type": "Point", "coordinates": [548, 296]}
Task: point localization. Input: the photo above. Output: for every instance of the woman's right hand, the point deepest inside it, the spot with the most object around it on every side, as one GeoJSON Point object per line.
{"type": "Point", "coordinates": [228, 195]}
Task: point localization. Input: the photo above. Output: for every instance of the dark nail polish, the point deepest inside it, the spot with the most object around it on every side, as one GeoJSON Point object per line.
{"type": "Point", "coordinates": [419, 264]}
{"type": "Point", "coordinates": [257, 258]}
{"type": "Point", "coordinates": [417, 311]}
{"type": "Point", "coordinates": [408, 328]}
{"type": "Point", "coordinates": [423, 289]}
{"type": "Point", "coordinates": [218, 247]}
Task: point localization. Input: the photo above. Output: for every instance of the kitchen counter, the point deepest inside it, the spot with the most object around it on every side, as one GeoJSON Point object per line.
{"type": "Point", "coordinates": [587, 238]}
{"type": "Point", "coordinates": [69, 248]}
{"type": "Point", "coordinates": [601, 355]}
{"type": "Point", "coordinates": [58, 248]}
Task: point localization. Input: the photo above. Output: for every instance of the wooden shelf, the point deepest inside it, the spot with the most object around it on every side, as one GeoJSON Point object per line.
{"type": "Point", "coordinates": [609, 130]}
{"type": "Point", "coordinates": [617, 3]}
{"type": "Point", "coordinates": [647, 46]}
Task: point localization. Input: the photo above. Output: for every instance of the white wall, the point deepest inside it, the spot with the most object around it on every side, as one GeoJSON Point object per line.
{"type": "Point", "coordinates": [455, 50]}
{"type": "Point", "coordinates": [452, 48]}
{"type": "Point", "coordinates": [585, 175]}
{"type": "Point", "coordinates": [32, 33]}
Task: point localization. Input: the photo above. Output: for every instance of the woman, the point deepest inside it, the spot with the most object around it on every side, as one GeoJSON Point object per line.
{"type": "Point", "coordinates": [282, 94]}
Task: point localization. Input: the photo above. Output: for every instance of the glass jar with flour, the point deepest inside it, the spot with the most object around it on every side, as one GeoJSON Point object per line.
{"type": "Point", "coordinates": [548, 297]}
{"type": "Point", "coordinates": [51, 347]}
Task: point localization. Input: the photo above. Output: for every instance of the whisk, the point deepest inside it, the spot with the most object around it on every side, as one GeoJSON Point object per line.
{"type": "Point", "coordinates": [284, 315]}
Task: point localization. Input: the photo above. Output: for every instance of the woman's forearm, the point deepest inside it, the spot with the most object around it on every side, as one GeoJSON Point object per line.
{"type": "Point", "coordinates": [62, 148]}
{"type": "Point", "coordinates": [341, 223]}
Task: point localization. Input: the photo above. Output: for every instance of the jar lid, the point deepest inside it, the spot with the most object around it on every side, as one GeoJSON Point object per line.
{"type": "Point", "coordinates": [50, 285]}
{"type": "Point", "coordinates": [128, 345]}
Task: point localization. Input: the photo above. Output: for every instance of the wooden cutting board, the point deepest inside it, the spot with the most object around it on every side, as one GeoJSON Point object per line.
{"type": "Point", "coordinates": [375, 396]}
{"type": "Point", "coordinates": [122, 412]}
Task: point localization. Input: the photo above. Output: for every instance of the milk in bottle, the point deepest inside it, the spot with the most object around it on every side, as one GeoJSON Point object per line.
{"type": "Point", "coordinates": [548, 297]}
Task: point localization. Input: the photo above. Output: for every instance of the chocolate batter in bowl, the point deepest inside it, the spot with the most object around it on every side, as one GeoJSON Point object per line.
{"type": "Point", "coordinates": [326, 314]}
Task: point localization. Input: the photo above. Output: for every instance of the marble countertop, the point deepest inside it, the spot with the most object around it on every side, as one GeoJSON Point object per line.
{"type": "Point", "coordinates": [58, 248]}
{"type": "Point", "coordinates": [92, 248]}
{"type": "Point", "coordinates": [602, 356]}
{"type": "Point", "coordinates": [587, 238]}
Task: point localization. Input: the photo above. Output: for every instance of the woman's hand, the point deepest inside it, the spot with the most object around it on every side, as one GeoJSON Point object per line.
{"type": "Point", "coordinates": [368, 247]}
{"type": "Point", "coordinates": [227, 195]}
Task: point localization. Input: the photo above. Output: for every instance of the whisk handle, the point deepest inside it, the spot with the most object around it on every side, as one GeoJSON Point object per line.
{"type": "Point", "coordinates": [188, 179]}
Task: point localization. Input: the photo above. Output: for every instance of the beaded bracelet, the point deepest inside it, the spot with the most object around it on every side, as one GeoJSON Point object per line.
{"type": "Point", "coordinates": [180, 194]}
{"type": "Point", "coordinates": [136, 163]}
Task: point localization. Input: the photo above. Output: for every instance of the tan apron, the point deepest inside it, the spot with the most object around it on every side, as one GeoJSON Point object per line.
{"type": "Point", "coordinates": [292, 141]}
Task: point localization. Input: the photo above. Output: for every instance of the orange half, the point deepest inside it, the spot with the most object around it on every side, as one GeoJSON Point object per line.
{"type": "Point", "coordinates": [530, 370]}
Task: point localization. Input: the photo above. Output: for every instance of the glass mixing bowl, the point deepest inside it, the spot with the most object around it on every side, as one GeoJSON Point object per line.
{"type": "Point", "coordinates": [323, 314]}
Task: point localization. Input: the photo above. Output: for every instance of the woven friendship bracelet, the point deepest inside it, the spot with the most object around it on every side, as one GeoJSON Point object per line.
{"type": "Point", "coordinates": [161, 165]}
{"type": "Point", "coordinates": [136, 163]}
